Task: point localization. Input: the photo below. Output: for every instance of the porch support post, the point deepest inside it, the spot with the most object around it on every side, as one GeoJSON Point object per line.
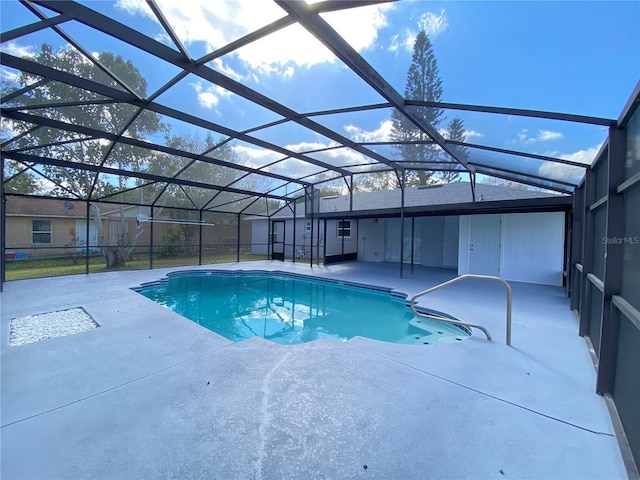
{"type": "Point", "coordinates": [324, 243]}
{"type": "Point", "coordinates": [402, 186]}
{"type": "Point", "coordinates": [614, 259]}
{"type": "Point", "coordinates": [200, 238]}
{"type": "Point", "coordinates": [413, 226]}
{"type": "Point", "coordinates": [310, 201]}
{"type": "Point", "coordinates": [3, 225]}
{"type": "Point", "coordinates": [239, 219]}
{"type": "Point", "coordinates": [86, 237]}
{"type": "Point", "coordinates": [151, 238]}
{"type": "Point", "coordinates": [472, 182]}
{"type": "Point", "coordinates": [295, 220]}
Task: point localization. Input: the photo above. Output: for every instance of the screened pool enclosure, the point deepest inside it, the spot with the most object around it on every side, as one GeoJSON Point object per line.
{"type": "Point", "coordinates": [106, 165]}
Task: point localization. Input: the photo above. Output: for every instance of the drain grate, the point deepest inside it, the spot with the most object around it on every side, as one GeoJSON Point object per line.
{"type": "Point", "coordinates": [35, 328]}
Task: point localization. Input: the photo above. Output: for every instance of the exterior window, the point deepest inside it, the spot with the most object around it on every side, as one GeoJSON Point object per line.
{"type": "Point", "coordinates": [344, 228]}
{"type": "Point", "coordinates": [307, 226]}
{"type": "Point", "coordinates": [41, 231]}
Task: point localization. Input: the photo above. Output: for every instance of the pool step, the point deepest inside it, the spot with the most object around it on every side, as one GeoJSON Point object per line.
{"type": "Point", "coordinates": [416, 322]}
{"type": "Point", "coordinates": [434, 335]}
{"type": "Point", "coordinates": [419, 339]}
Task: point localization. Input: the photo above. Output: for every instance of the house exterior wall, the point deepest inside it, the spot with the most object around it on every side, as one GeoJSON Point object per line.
{"type": "Point", "coordinates": [66, 239]}
{"type": "Point", "coordinates": [260, 237]}
{"type": "Point", "coordinates": [260, 241]}
{"type": "Point", "coordinates": [19, 236]}
{"type": "Point", "coordinates": [335, 244]}
{"type": "Point", "coordinates": [371, 240]}
{"type": "Point", "coordinates": [531, 247]}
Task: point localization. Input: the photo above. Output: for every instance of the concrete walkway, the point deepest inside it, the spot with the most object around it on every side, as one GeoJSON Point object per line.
{"type": "Point", "coordinates": [150, 394]}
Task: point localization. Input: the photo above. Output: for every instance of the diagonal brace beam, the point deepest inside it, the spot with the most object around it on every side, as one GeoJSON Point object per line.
{"type": "Point", "coordinates": [319, 28]}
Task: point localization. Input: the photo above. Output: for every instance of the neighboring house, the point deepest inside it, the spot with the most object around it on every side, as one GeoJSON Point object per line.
{"type": "Point", "coordinates": [40, 227]}
{"type": "Point", "coordinates": [516, 234]}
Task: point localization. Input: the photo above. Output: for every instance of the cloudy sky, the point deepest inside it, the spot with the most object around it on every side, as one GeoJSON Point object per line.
{"type": "Point", "coordinates": [579, 57]}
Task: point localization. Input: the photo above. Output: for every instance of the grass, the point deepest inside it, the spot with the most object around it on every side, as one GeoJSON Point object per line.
{"type": "Point", "coordinates": [55, 267]}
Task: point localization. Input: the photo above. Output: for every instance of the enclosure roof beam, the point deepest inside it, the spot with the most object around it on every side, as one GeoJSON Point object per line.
{"type": "Point", "coordinates": [319, 28]}
{"type": "Point", "coordinates": [94, 133]}
{"type": "Point", "coordinates": [565, 117]}
{"type": "Point", "coordinates": [23, 158]}
{"type": "Point", "coordinates": [132, 37]}
{"type": "Point", "coordinates": [33, 27]}
{"type": "Point", "coordinates": [87, 54]}
{"type": "Point", "coordinates": [526, 179]}
{"type": "Point", "coordinates": [89, 85]}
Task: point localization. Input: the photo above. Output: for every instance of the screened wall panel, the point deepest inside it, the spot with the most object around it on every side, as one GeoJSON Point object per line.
{"type": "Point", "coordinates": [631, 263]}
{"type": "Point", "coordinates": [626, 392]}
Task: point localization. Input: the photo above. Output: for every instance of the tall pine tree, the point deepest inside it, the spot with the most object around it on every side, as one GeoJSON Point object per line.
{"type": "Point", "coordinates": [455, 133]}
{"type": "Point", "coordinates": [423, 83]}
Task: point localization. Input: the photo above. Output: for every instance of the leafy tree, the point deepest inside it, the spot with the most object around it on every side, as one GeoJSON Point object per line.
{"type": "Point", "coordinates": [499, 182]}
{"type": "Point", "coordinates": [72, 147]}
{"type": "Point", "coordinates": [18, 180]}
{"type": "Point", "coordinates": [423, 83]}
{"type": "Point", "coordinates": [377, 181]}
{"type": "Point", "coordinates": [455, 133]}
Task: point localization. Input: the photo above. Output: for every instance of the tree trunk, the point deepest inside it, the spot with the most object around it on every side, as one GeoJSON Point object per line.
{"type": "Point", "coordinates": [115, 256]}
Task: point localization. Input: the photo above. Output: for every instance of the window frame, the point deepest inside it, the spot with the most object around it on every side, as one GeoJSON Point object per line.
{"type": "Point", "coordinates": [342, 230]}
{"type": "Point", "coordinates": [34, 232]}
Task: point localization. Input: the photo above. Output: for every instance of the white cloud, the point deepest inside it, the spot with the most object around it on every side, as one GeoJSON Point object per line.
{"type": "Point", "coordinates": [586, 156]}
{"type": "Point", "coordinates": [546, 135]}
{"type": "Point", "coordinates": [210, 96]}
{"type": "Point", "coordinates": [256, 157]}
{"type": "Point", "coordinates": [215, 24]}
{"type": "Point", "coordinates": [12, 48]}
{"type": "Point", "coordinates": [541, 136]}
{"type": "Point", "coordinates": [570, 173]}
{"type": "Point", "coordinates": [432, 23]}
{"type": "Point", "coordinates": [381, 134]}
{"type": "Point", "coordinates": [9, 75]}
{"type": "Point", "coordinates": [472, 134]}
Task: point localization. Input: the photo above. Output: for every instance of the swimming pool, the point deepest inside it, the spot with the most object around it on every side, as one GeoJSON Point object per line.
{"type": "Point", "coordinates": [291, 309]}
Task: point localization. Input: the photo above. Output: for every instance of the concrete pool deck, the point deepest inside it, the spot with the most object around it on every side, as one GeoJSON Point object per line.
{"type": "Point", "coordinates": [150, 394]}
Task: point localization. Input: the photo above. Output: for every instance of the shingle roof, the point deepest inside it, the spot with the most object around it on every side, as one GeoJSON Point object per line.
{"type": "Point", "coordinates": [36, 206]}
{"type": "Point", "coordinates": [430, 195]}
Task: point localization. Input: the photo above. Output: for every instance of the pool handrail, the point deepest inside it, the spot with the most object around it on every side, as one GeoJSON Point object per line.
{"type": "Point", "coordinates": [460, 322]}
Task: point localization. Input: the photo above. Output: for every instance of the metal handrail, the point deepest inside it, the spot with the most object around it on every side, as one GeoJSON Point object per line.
{"type": "Point", "coordinates": [460, 322]}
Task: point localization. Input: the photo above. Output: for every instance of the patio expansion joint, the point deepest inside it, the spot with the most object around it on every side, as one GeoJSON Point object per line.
{"type": "Point", "coordinates": [265, 413]}
{"type": "Point", "coordinates": [116, 387]}
{"type": "Point", "coordinates": [488, 395]}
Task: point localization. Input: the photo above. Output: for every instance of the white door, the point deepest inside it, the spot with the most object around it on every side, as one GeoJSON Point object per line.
{"type": "Point", "coordinates": [81, 236]}
{"type": "Point", "coordinates": [484, 244]}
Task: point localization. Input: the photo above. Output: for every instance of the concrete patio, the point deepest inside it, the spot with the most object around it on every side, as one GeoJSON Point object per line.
{"type": "Point", "coordinates": [150, 394]}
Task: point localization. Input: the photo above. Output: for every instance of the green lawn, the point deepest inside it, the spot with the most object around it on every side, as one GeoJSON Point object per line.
{"type": "Point", "coordinates": [55, 267]}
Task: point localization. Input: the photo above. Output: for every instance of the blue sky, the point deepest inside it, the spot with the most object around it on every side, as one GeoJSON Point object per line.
{"type": "Point", "coordinates": [579, 57]}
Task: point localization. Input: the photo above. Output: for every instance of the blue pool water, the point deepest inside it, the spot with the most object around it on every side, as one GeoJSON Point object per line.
{"type": "Point", "coordinates": [291, 309]}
